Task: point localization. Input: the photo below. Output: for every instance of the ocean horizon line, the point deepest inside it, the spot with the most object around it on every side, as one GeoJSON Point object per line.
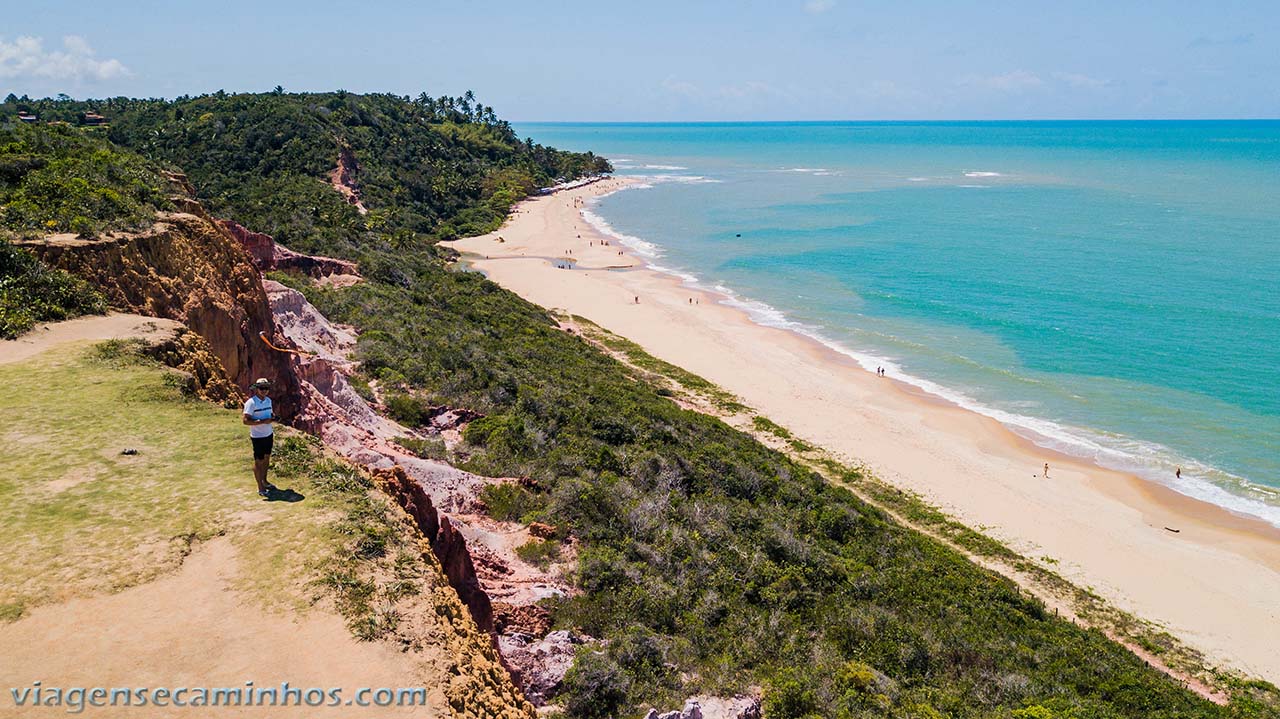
{"type": "Point", "coordinates": [907, 121]}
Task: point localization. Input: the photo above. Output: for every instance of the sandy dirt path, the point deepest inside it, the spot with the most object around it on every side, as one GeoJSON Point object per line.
{"type": "Point", "coordinates": [96, 327]}
{"type": "Point", "coordinates": [193, 629]}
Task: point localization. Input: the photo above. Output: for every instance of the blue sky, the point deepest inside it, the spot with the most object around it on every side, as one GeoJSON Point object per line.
{"type": "Point", "coordinates": [663, 60]}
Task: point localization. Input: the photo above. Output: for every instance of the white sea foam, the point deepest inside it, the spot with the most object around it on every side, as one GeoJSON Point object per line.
{"type": "Point", "coordinates": [691, 280]}
{"type": "Point", "coordinates": [646, 182]}
{"type": "Point", "coordinates": [645, 249]}
{"type": "Point", "coordinates": [1148, 460]}
{"type": "Point", "coordinates": [663, 167]}
{"type": "Point", "coordinates": [980, 173]}
{"type": "Point", "coordinates": [974, 186]}
{"type": "Point", "coordinates": [917, 179]}
{"type": "Point", "coordinates": [653, 178]}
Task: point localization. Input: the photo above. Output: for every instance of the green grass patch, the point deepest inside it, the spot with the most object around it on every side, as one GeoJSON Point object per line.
{"type": "Point", "coordinates": [799, 445]}
{"type": "Point", "coordinates": [764, 424]}
{"type": "Point", "coordinates": [12, 611]}
{"type": "Point", "coordinates": [78, 517]}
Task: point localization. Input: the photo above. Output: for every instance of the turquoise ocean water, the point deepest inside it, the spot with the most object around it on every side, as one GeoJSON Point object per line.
{"type": "Point", "coordinates": [1107, 289]}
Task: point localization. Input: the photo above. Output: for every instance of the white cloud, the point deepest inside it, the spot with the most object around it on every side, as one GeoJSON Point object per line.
{"type": "Point", "coordinates": [819, 6]}
{"type": "Point", "coordinates": [1077, 80]}
{"type": "Point", "coordinates": [750, 89]}
{"type": "Point", "coordinates": [1220, 40]}
{"type": "Point", "coordinates": [680, 87]}
{"type": "Point", "coordinates": [26, 57]}
{"type": "Point", "coordinates": [1016, 81]}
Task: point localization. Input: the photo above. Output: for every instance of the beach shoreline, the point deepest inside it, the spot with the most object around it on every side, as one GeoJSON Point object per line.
{"type": "Point", "coordinates": [1212, 583]}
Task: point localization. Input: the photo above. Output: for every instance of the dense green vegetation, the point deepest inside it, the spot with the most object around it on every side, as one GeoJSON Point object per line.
{"type": "Point", "coordinates": [31, 292]}
{"type": "Point", "coordinates": [441, 166]}
{"type": "Point", "coordinates": [709, 562]}
{"type": "Point", "coordinates": [60, 179]}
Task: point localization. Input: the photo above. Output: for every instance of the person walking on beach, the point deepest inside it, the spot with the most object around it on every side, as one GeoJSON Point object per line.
{"type": "Point", "coordinates": [1046, 470]}
{"type": "Point", "coordinates": [259, 414]}
{"type": "Point", "coordinates": [1178, 473]}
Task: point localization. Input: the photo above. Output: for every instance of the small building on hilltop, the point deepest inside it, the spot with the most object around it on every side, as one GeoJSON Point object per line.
{"type": "Point", "coordinates": [93, 119]}
{"type": "Point", "coordinates": [24, 116]}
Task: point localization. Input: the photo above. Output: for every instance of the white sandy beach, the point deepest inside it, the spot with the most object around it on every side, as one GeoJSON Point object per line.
{"type": "Point", "coordinates": [1215, 583]}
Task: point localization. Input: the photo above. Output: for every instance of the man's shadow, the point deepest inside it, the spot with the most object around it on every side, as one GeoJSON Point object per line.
{"type": "Point", "coordinates": [284, 495]}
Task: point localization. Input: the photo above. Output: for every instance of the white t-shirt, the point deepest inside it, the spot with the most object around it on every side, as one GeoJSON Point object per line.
{"type": "Point", "coordinates": [259, 409]}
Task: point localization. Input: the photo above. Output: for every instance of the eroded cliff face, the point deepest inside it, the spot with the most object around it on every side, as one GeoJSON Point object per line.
{"type": "Point", "coordinates": [202, 374]}
{"type": "Point", "coordinates": [476, 552]}
{"type": "Point", "coordinates": [343, 178]}
{"type": "Point", "coordinates": [189, 268]}
{"type": "Point", "coordinates": [483, 686]}
{"type": "Point", "coordinates": [267, 254]}
{"type": "Point", "coordinates": [448, 545]}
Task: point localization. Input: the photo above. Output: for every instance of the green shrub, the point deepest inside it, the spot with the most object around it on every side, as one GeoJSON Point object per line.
{"type": "Point", "coordinates": [789, 698]}
{"type": "Point", "coordinates": [741, 562]}
{"type": "Point", "coordinates": [500, 430]}
{"type": "Point", "coordinates": [539, 553]}
{"type": "Point", "coordinates": [31, 292]}
{"type": "Point", "coordinates": [406, 409]}
{"type": "Point", "coordinates": [510, 502]}
{"type": "Point", "coordinates": [596, 687]}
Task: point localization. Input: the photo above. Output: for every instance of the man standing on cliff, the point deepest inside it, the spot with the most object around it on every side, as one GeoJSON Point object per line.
{"type": "Point", "coordinates": [259, 414]}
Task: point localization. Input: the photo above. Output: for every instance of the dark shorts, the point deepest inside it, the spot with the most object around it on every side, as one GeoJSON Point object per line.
{"type": "Point", "coordinates": [262, 446]}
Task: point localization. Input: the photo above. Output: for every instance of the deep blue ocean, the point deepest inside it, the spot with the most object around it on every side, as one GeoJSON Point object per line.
{"type": "Point", "coordinates": [1108, 289]}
